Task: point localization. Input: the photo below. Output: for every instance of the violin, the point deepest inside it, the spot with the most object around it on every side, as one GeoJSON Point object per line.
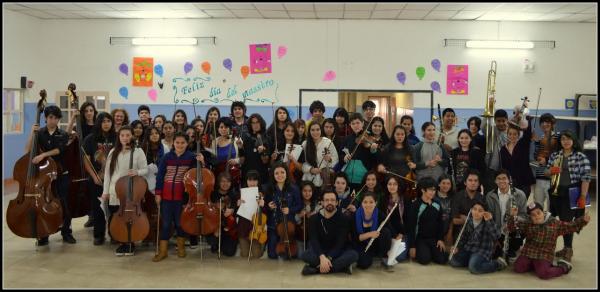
{"type": "Point", "coordinates": [130, 223]}
{"type": "Point", "coordinates": [547, 146]}
{"type": "Point", "coordinates": [285, 231]}
{"type": "Point", "coordinates": [327, 174]}
{"type": "Point", "coordinates": [259, 225]}
{"type": "Point", "coordinates": [199, 216]}
{"type": "Point", "coordinates": [411, 191]}
{"type": "Point", "coordinates": [35, 212]}
{"type": "Point", "coordinates": [264, 156]}
{"type": "Point", "coordinates": [291, 164]}
{"type": "Point", "coordinates": [230, 226]}
{"type": "Point", "coordinates": [78, 200]}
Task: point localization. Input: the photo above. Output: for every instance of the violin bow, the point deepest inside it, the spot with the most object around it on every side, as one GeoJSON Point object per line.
{"type": "Point", "coordinates": [362, 137]}
{"type": "Point", "coordinates": [537, 107]}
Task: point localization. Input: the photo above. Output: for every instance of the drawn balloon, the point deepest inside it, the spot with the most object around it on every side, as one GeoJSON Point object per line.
{"type": "Point", "coordinates": [188, 67]}
{"type": "Point", "coordinates": [227, 64]}
{"type": "Point", "coordinates": [206, 67]}
{"type": "Point", "coordinates": [401, 76]}
{"type": "Point", "coordinates": [124, 92]}
{"type": "Point", "coordinates": [420, 72]}
{"type": "Point", "coordinates": [435, 63]}
{"type": "Point", "coordinates": [123, 68]}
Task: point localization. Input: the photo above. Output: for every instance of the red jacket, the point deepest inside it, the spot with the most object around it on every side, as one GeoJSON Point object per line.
{"type": "Point", "coordinates": [169, 179]}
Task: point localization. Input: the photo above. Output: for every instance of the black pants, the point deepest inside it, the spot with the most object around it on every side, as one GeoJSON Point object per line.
{"type": "Point", "coordinates": [560, 207]}
{"type": "Point", "coordinates": [95, 192]}
{"type": "Point", "coordinates": [228, 245]}
{"type": "Point", "coordinates": [381, 245]}
{"type": "Point", "coordinates": [339, 263]}
{"type": "Point", "coordinates": [428, 251]}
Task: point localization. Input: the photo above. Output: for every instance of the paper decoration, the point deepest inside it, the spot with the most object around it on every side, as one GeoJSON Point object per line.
{"type": "Point", "coordinates": [152, 94]}
{"type": "Point", "coordinates": [187, 67]}
{"type": "Point", "coordinates": [245, 70]}
{"type": "Point", "coordinates": [227, 64]}
{"type": "Point", "coordinates": [123, 68]}
{"type": "Point", "coordinates": [329, 75]}
{"type": "Point", "coordinates": [401, 76]}
{"type": "Point", "coordinates": [260, 59]}
{"type": "Point", "coordinates": [142, 71]}
{"type": "Point", "coordinates": [457, 80]}
{"type": "Point", "coordinates": [435, 86]}
{"type": "Point", "coordinates": [281, 51]}
{"type": "Point", "coordinates": [435, 63]}
{"type": "Point", "coordinates": [420, 72]}
{"type": "Point", "coordinates": [124, 92]}
{"type": "Point", "coordinates": [158, 69]}
{"type": "Point", "coordinates": [205, 67]}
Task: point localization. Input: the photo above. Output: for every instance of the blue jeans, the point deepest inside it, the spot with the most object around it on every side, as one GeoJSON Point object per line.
{"type": "Point", "coordinates": [477, 263]}
{"type": "Point", "coordinates": [170, 212]}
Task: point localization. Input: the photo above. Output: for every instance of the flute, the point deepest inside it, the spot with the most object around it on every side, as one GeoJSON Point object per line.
{"type": "Point", "coordinates": [381, 226]}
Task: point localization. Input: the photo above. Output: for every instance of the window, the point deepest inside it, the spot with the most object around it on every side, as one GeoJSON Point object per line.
{"type": "Point", "coordinates": [99, 98]}
{"type": "Point", "coordinates": [12, 110]}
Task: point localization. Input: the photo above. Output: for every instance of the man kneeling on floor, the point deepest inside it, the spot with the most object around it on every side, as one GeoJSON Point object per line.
{"type": "Point", "coordinates": [328, 250]}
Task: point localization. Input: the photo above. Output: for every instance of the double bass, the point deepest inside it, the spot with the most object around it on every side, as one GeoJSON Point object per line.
{"type": "Point", "coordinates": [35, 212]}
{"type": "Point", "coordinates": [199, 216]}
{"type": "Point", "coordinates": [286, 247]}
{"type": "Point", "coordinates": [78, 201]}
{"type": "Point", "coordinates": [130, 222]}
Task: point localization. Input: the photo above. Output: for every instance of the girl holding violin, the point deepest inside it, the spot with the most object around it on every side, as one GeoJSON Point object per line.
{"type": "Point", "coordinates": [53, 141]}
{"type": "Point", "coordinates": [319, 155]}
{"type": "Point", "coordinates": [228, 156]}
{"type": "Point", "coordinates": [291, 138]}
{"type": "Point", "coordinates": [544, 146]}
{"type": "Point", "coordinates": [276, 129]}
{"type": "Point", "coordinates": [227, 197]}
{"type": "Point", "coordinates": [397, 156]}
{"type": "Point", "coordinates": [256, 148]}
{"type": "Point", "coordinates": [331, 131]}
{"type": "Point", "coordinates": [377, 137]}
{"type": "Point", "coordinates": [96, 146]}
{"type": "Point", "coordinates": [117, 164]}
{"type": "Point", "coordinates": [343, 125]}
{"type": "Point", "coordinates": [358, 157]}
{"type": "Point", "coordinates": [367, 220]}
{"type": "Point", "coordinates": [246, 226]}
{"type": "Point", "coordinates": [309, 208]}
{"type": "Point", "coordinates": [279, 191]}
{"type": "Point", "coordinates": [371, 185]}
{"type": "Point", "coordinates": [170, 190]}
{"type": "Point", "coordinates": [396, 225]}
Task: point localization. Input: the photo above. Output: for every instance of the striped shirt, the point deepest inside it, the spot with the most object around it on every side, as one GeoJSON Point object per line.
{"type": "Point", "coordinates": [171, 169]}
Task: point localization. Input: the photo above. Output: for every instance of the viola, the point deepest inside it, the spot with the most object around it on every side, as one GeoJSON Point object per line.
{"type": "Point", "coordinates": [286, 247]}
{"type": "Point", "coordinates": [230, 226]}
{"type": "Point", "coordinates": [130, 223]}
{"type": "Point", "coordinates": [35, 212]}
{"type": "Point", "coordinates": [548, 145]}
{"type": "Point", "coordinates": [259, 225]}
{"type": "Point", "coordinates": [327, 174]}
{"type": "Point", "coordinates": [199, 216]}
{"type": "Point", "coordinates": [78, 201]}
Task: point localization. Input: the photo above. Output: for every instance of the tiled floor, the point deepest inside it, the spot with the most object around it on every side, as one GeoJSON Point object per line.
{"type": "Point", "coordinates": [84, 265]}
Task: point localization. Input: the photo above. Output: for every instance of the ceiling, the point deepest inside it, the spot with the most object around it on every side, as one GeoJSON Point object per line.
{"type": "Point", "coordinates": [554, 12]}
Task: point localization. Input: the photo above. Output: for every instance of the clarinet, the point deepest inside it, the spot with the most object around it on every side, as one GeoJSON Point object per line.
{"type": "Point", "coordinates": [514, 205]}
{"type": "Point", "coordinates": [452, 173]}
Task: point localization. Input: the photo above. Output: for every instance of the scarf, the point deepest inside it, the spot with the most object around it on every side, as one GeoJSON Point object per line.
{"type": "Point", "coordinates": [360, 218]}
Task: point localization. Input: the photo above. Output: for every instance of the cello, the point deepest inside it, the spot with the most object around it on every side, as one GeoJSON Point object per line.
{"type": "Point", "coordinates": [35, 212]}
{"type": "Point", "coordinates": [78, 201]}
{"type": "Point", "coordinates": [199, 217]}
{"type": "Point", "coordinates": [285, 231]}
{"type": "Point", "coordinates": [130, 222]}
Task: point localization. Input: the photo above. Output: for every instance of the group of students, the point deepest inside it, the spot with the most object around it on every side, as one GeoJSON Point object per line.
{"type": "Point", "coordinates": [351, 183]}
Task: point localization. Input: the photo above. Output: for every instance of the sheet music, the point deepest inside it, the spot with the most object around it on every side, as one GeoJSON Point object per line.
{"type": "Point", "coordinates": [295, 153]}
{"type": "Point", "coordinates": [249, 204]}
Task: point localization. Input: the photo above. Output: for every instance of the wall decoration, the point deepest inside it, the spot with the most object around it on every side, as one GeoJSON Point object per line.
{"type": "Point", "coordinates": [123, 68]}
{"type": "Point", "coordinates": [205, 67]}
{"type": "Point", "coordinates": [329, 75]}
{"type": "Point", "coordinates": [569, 103]}
{"type": "Point", "coordinates": [401, 76]}
{"type": "Point", "coordinates": [158, 69]}
{"type": "Point", "coordinates": [435, 86]}
{"type": "Point", "coordinates": [281, 51]}
{"type": "Point", "coordinates": [142, 71]}
{"type": "Point", "coordinates": [420, 72]}
{"type": "Point", "coordinates": [124, 92]}
{"type": "Point", "coordinates": [227, 64]}
{"type": "Point", "coordinates": [260, 58]}
{"type": "Point", "coordinates": [457, 80]}
{"type": "Point", "coordinates": [195, 90]}
{"type": "Point", "coordinates": [245, 70]}
{"type": "Point", "coordinates": [152, 94]}
{"type": "Point", "coordinates": [160, 85]}
{"type": "Point", "coordinates": [435, 63]}
{"type": "Point", "coordinates": [187, 67]}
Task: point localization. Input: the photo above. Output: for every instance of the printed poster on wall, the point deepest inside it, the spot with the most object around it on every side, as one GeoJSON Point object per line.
{"type": "Point", "coordinates": [260, 58]}
{"type": "Point", "coordinates": [142, 71]}
{"type": "Point", "coordinates": [457, 80]}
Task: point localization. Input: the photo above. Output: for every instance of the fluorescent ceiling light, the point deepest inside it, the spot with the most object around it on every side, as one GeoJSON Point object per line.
{"type": "Point", "coordinates": [164, 41]}
{"type": "Point", "coordinates": [500, 44]}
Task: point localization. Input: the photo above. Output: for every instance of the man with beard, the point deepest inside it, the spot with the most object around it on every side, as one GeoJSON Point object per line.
{"type": "Point", "coordinates": [328, 251]}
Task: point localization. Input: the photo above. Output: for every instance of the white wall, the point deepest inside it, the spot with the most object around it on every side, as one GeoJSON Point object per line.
{"type": "Point", "coordinates": [365, 54]}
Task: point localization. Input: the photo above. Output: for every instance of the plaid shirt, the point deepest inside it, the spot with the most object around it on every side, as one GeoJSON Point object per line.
{"type": "Point", "coordinates": [481, 240]}
{"type": "Point", "coordinates": [579, 166]}
{"type": "Point", "coordinates": [540, 240]}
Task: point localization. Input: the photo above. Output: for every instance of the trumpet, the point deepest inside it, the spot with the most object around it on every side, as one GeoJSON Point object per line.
{"type": "Point", "coordinates": [488, 113]}
{"type": "Point", "coordinates": [555, 180]}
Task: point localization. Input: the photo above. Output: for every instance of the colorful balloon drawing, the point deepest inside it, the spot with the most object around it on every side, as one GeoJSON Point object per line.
{"type": "Point", "coordinates": [158, 69]}
{"type": "Point", "coordinates": [281, 51]}
{"type": "Point", "coordinates": [227, 64]}
{"type": "Point", "coordinates": [206, 67]}
{"type": "Point", "coordinates": [435, 86]}
{"type": "Point", "coordinates": [245, 70]}
{"type": "Point", "coordinates": [188, 67]}
{"type": "Point", "coordinates": [124, 92]}
{"type": "Point", "coordinates": [152, 94]}
{"type": "Point", "coordinates": [420, 72]}
{"type": "Point", "coordinates": [329, 75]}
{"type": "Point", "coordinates": [123, 68]}
{"type": "Point", "coordinates": [435, 63]}
{"type": "Point", "coordinates": [401, 76]}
